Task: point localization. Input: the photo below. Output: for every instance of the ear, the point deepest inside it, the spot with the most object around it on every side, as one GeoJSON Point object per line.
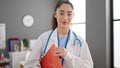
{"type": "Point", "coordinates": [55, 14]}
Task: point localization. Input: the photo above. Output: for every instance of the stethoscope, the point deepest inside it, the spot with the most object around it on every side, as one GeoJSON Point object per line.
{"type": "Point", "coordinates": [68, 36]}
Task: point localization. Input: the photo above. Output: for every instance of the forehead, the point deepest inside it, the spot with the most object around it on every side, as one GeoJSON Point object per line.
{"type": "Point", "coordinates": [65, 7]}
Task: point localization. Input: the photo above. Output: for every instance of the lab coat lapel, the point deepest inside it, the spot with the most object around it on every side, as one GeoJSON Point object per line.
{"type": "Point", "coordinates": [54, 39]}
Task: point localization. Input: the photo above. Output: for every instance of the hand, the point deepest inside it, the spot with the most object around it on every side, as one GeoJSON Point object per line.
{"type": "Point", "coordinates": [60, 51]}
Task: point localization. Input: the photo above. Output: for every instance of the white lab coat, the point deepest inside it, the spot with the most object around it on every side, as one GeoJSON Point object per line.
{"type": "Point", "coordinates": [77, 57]}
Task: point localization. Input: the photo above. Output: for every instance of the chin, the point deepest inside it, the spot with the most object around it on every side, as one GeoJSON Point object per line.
{"type": "Point", "coordinates": [65, 26]}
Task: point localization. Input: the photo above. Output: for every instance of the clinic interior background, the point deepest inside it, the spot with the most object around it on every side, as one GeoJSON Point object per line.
{"type": "Point", "coordinates": [97, 24]}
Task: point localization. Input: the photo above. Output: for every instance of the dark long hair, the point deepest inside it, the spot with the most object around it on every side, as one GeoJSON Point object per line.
{"type": "Point", "coordinates": [59, 3]}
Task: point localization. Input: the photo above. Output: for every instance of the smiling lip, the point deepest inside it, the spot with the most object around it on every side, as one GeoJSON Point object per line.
{"type": "Point", "coordinates": [64, 23]}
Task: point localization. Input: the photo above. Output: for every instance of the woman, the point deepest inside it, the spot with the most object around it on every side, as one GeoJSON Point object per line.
{"type": "Point", "coordinates": [71, 48]}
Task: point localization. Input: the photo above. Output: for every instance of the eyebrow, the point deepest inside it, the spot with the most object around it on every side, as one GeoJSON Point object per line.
{"type": "Point", "coordinates": [64, 11]}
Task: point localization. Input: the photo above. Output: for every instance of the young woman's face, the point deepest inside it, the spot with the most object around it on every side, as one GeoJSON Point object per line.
{"type": "Point", "coordinates": [64, 15]}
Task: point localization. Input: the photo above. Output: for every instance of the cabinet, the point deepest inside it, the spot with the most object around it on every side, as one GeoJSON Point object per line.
{"type": "Point", "coordinates": [16, 57]}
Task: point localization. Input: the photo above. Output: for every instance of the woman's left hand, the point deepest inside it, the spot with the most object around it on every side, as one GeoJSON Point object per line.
{"type": "Point", "coordinates": [60, 51]}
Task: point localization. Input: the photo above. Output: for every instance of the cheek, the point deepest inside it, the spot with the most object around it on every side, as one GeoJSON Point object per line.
{"type": "Point", "coordinates": [59, 19]}
{"type": "Point", "coordinates": [69, 20]}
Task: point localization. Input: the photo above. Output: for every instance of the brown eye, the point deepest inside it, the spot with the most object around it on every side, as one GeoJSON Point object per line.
{"type": "Point", "coordinates": [61, 14]}
{"type": "Point", "coordinates": [69, 14]}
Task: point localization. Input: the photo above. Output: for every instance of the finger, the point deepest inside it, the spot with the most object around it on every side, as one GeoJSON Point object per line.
{"type": "Point", "coordinates": [57, 54]}
{"type": "Point", "coordinates": [58, 50]}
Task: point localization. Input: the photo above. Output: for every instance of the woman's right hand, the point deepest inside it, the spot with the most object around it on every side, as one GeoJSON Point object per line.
{"type": "Point", "coordinates": [60, 51]}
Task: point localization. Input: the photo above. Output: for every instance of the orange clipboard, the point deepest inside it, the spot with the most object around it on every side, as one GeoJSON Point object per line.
{"type": "Point", "coordinates": [50, 60]}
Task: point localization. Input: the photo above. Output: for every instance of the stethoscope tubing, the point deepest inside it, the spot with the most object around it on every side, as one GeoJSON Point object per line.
{"type": "Point", "coordinates": [76, 40]}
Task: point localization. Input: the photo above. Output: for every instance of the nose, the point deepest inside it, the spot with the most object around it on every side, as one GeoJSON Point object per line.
{"type": "Point", "coordinates": [65, 17]}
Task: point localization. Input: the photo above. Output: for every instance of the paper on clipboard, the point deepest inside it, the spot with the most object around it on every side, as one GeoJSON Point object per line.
{"type": "Point", "coordinates": [50, 60]}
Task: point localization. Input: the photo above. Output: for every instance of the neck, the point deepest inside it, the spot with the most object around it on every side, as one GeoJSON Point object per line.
{"type": "Point", "coordinates": [62, 31]}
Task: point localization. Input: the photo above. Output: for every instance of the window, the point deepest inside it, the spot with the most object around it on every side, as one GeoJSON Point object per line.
{"type": "Point", "coordinates": [79, 19]}
{"type": "Point", "coordinates": [116, 32]}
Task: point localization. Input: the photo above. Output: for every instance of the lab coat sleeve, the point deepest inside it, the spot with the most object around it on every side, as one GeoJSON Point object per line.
{"type": "Point", "coordinates": [82, 61]}
{"type": "Point", "coordinates": [33, 60]}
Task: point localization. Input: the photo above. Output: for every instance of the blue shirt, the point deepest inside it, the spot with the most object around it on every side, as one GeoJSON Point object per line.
{"type": "Point", "coordinates": [62, 40]}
